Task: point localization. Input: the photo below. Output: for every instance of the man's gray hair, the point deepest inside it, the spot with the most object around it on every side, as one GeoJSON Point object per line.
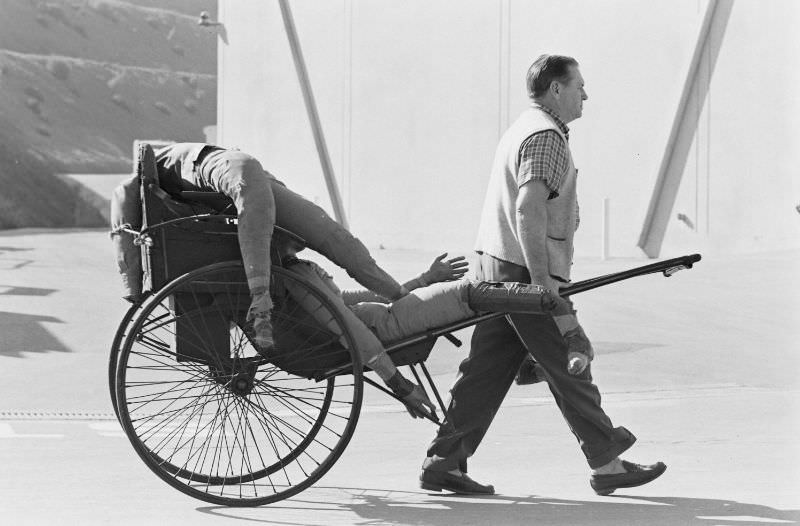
{"type": "Point", "coordinates": [545, 70]}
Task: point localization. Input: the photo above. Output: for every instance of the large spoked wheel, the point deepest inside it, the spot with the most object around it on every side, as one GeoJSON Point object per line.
{"type": "Point", "coordinates": [213, 418]}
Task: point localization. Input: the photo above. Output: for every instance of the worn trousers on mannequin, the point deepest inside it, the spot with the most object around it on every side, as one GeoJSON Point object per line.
{"type": "Point", "coordinates": [262, 202]}
{"type": "Point", "coordinates": [367, 343]}
{"type": "Point", "coordinates": [443, 303]}
{"type": "Point", "coordinates": [372, 324]}
{"type": "Point", "coordinates": [241, 177]}
{"type": "Point", "coordinates": [497, 350]}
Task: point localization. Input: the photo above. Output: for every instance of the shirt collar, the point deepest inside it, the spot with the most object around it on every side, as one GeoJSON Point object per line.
{"type": "Point", "coordinates": [561, 124]}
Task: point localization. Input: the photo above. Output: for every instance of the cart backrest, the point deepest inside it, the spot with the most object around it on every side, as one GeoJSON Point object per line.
{"type": "Point", "coordinates": [178, 246]}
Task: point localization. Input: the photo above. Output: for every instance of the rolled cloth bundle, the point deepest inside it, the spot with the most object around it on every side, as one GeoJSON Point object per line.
{"type": "Point", "coordinates": [126, 213]}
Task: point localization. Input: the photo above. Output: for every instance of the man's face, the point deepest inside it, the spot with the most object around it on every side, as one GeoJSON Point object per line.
{"type": "Point", "coordinates": [571, 96]}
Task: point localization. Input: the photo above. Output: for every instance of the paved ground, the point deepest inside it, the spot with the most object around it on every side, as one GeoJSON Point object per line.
{"type": "Point", "coordinates": [703, 367]}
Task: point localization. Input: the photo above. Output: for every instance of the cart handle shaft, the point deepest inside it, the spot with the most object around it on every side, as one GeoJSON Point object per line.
{"type": "Point", "coordinates": [668, 267]}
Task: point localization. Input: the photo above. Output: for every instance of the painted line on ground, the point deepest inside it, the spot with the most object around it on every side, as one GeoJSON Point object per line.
{"type": "Point", "coordinates": [6, 431]}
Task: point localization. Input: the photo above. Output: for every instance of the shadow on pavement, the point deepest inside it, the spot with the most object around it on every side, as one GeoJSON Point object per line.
{"type": "Point", "coordinates": [666, 511]}
{"type": "Point", "coordinates": [388, 507]}
{"type": "Point", "coordinates": [39, 231]}
{"type": "Point", "coordinates": [23, 333]}
{"type": "Point", "coordinates": [13, 290]}
{"type": "Point", "coordinates": [11, 263]}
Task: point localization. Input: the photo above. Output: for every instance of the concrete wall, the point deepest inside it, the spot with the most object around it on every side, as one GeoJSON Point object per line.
{"type": "Point", "coordinates": [413, 96]}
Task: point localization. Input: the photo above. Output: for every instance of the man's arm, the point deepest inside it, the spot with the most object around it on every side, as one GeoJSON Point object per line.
{"type": "Point", "coordinates": [543, 163]}
{"type": "Point", "coordinates": [531, 212]}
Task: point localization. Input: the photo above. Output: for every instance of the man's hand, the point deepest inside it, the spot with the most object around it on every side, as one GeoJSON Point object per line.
{"type": "Point", "coordinates": [577, 363]}
{"type": "Point", "coordinates": [446, 270]}
{"type": "Point", "coordinates": [580, 351]}
{"type": "Point", "coordinates": [549, 283]}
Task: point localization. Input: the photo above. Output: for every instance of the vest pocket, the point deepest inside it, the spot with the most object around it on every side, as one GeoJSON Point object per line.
{"type": "Point", "coordinates": [559, 254]}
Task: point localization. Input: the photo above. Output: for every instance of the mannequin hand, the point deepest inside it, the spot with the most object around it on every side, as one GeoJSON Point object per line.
{"type": "Point", "coordinates": [446, 270]}
{"type": "Point", "coordinates": [417, 402]}
{"type": "Point", "coordinates": [412, 395]}
{"type": "Point", "coordinates": [134, 299]}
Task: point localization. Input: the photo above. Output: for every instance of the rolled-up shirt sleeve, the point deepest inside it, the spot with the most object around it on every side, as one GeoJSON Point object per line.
{"type": "Point", "coordinates": [543, 157]}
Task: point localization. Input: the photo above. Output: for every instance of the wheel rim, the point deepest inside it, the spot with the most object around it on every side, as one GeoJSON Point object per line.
{"type": "Point", "coordinates": [116, 347]}
{"type": "Point", "coordinates": [213, 418]}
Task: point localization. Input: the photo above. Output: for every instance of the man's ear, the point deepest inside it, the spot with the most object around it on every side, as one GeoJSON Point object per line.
{"type": "Point", "coordinates": [555, 88]}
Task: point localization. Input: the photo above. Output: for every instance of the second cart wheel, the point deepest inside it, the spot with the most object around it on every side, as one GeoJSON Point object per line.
{"type": "Point", "coordinates": [116, 347]}
{"type": "Point", "coordinates": [213, 418]}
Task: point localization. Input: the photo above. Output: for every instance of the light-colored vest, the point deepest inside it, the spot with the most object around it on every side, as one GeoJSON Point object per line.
{"type": "Point", "coordinates": [498, 235]}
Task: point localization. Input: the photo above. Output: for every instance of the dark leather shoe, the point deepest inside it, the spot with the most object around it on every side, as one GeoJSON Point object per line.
{"type": "Point", "coordinates": [461, 484]}
{"type": "Point", "coordinates": [530, 372]}
{"type": "Point", "coordinates": [635, 475]}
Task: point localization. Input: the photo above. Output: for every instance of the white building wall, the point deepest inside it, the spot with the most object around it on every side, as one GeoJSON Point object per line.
{"type": "Point", "coordinates": [414, 95]}
{"type": "Point", "coordinates": [742, 179]}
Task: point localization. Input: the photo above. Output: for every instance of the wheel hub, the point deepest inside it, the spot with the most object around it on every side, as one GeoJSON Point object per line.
{"type": "Point", "coordinates": [241, 383]}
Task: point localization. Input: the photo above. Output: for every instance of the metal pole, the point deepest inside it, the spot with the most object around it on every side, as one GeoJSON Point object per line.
{"type": "Point", "coordinates": [313, 114]}
{"type": "Point", "coordinates": [684, 126]}
{"type": "Point", "coordinates": [606, 248]}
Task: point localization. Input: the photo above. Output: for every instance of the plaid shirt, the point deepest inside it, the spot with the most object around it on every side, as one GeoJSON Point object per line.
{"type": "Point", "coordinates": [544, 157]}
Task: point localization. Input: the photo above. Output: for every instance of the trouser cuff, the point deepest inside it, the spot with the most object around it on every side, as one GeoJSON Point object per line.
{"type": "Point", "coordinates": [620, 442]}
{"type": "Point", "coordinates": [491, 296]}
{"type": "Point", "coordinates": [382, 365]}
{"type": "Point", "coordinates": [258, 284]}
{"type": "Point", "coordinates": [437, 463]}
